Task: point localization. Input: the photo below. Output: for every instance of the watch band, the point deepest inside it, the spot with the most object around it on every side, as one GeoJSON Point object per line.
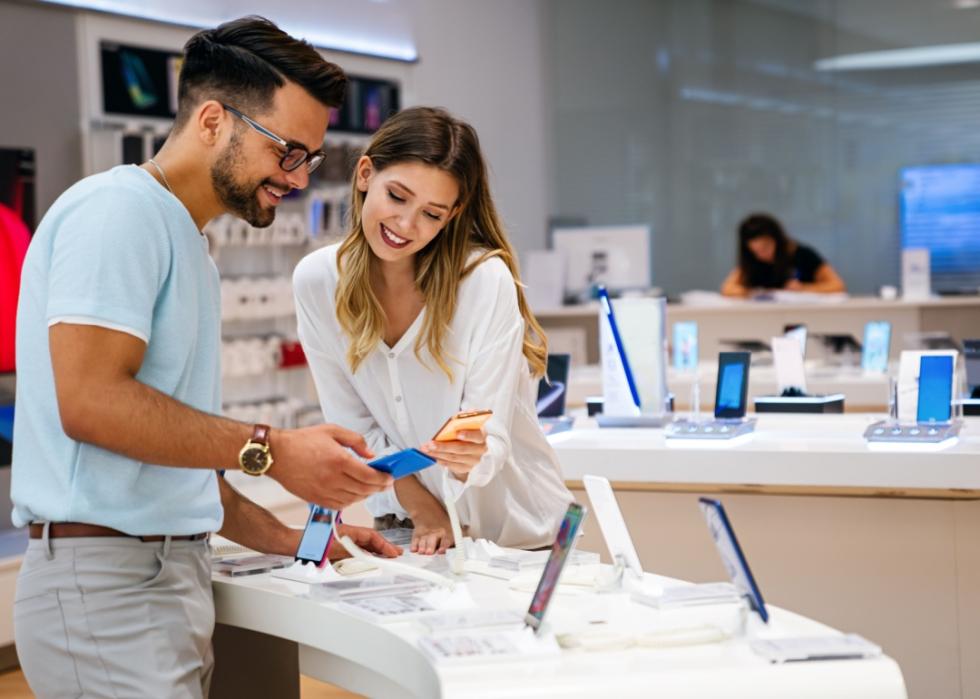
{"type": "Point", "coordinates": [260, 435]}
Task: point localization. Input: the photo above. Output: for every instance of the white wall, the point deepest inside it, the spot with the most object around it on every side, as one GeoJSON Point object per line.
{"type": "Point", "coordinates": [484, 61]}
{"type": "Point", "coordinates": [481, 60]}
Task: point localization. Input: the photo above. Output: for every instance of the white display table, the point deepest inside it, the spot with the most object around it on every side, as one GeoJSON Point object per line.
{"type": "Point", "coordinates": [318, 640]}
{"type": "Point", "coordinates": [880, 542]}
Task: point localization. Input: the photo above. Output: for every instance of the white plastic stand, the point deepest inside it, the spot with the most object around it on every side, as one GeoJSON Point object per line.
{"type": "Point", "coordinates": [306, 572]}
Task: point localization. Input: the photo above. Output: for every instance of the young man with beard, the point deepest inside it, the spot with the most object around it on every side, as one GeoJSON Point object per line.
{"type": "Point", "coordinates": [117, 438]}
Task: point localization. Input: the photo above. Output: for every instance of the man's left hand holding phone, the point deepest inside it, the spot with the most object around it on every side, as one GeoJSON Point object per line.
{"type": "Point", "coordinates": [322, 527]}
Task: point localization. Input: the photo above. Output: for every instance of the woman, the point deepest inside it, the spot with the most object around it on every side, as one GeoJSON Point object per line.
{"type": "Point", "coordinates": [770, 259]}
{"type": "Point", "coordinates": [419, 314]}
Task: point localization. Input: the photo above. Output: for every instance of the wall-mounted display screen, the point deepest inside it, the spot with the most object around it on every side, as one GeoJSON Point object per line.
{"type": "Point", "coordinates": [940, 211]}
{"type": "Point", "coordinates": [139, 81]}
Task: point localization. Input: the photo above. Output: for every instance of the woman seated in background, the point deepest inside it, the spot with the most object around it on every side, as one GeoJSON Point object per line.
{"type": "Point", "coordinates": [419, 314]}
{"type": "Point", "coordinates": [770, 259]}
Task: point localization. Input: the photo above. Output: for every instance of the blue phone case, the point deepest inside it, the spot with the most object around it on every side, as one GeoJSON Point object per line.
{"type": "Point", "coordinates": [402, 463]}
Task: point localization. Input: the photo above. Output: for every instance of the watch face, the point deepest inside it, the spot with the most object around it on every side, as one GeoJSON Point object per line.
{"type": "Point", "coordinates": [255, 459]}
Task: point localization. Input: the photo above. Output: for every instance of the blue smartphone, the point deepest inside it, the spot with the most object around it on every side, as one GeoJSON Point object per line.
{"type": "Point", "coordinates": [731, 554]}
{"type": "Point", "coordinates": [877, 339]}
{"type": "Point", "coordinates": [935, 389]}
{"type": "Point", "coordinates": [733, 384]}
{"type": "Point", "coordinates": [402, 463]}
{"type": "Point", "coordinates": [319, 532]}
{"type": "Point", "coordinates": [620, 348]}
{"type": "Point", "coordinates": [685, 345]}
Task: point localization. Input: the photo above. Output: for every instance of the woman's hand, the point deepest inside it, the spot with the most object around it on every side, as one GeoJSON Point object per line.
{"type": "Point", "coordinates": [461, 455]}
{"type": "Point", "coordinates": [433, 532]}
{"type": "Point", "coordinates": [793, 285]}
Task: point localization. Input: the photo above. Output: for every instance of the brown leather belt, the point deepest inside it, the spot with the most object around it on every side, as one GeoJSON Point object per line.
{"type": "Point", "coordinates": [71, 530]}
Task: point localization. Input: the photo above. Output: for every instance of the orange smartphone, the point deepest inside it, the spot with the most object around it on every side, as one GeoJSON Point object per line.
{"type": "Point", "coordinates": [466, 420]}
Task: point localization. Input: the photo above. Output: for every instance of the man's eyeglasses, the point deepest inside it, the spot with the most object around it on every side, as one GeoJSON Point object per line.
{"type": "Point", "coordinates": [296, 154]}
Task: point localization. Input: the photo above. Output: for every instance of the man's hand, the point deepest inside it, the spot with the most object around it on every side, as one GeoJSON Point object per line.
{"type": "Point", "coordinates": [367, 539]}
{"type": "Point", "coordinates": [461, 455]}
{"type": "Point", "coordinates": [314, 464]}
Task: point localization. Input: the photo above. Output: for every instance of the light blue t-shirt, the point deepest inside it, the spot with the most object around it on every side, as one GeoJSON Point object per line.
{"type": "Point", "coordinates": [119, 251]}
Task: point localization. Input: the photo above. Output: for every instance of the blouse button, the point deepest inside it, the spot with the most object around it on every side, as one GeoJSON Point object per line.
{"type": "Point", "coordinates": [391, 355]}
{"type": "Point", "coordinates": [398, 399]}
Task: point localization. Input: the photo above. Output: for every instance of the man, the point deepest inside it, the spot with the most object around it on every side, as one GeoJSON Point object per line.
{"type": "Point", "coordinates": [117, 441]}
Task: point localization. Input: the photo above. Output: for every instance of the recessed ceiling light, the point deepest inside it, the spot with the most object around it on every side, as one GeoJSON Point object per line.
{"type": "Point", "coordinates": [966, 4]}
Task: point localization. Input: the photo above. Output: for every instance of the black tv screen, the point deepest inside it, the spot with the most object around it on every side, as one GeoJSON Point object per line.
{"type": "Point", "coordinates": [139, 81]}
{"type": "Point", "coordinates": [17, 216]}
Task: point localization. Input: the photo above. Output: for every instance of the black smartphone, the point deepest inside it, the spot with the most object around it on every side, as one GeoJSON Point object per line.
{"type": "Point", "coordinates": [732, 388]}
{"type": "Point", "coordinates": [319, 532]}
{"type": "Point", "coordinates": [971, 353]}
{"type": "Point", "coordinates": [552, 388]}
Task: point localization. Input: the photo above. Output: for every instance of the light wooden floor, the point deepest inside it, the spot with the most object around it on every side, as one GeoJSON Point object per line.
{"type": "Point", "coordinates": [14, 686]}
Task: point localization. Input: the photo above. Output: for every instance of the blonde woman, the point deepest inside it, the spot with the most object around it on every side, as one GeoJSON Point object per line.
{"type": "Point", "coordinates": [419, 314]}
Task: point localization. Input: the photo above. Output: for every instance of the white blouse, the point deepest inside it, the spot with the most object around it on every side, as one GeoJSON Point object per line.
{"type": "Point", "coordinates": [515, 495]}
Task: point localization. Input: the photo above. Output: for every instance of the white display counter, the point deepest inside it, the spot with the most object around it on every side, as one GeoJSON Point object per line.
{"type": "Point", "coordinates": [317, 639]}
{"type": "Point", "coordinates": [880, 542]}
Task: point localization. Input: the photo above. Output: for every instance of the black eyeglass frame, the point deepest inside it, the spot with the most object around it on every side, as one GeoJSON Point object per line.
{"type": "Point", "coordinates": [312, 160]}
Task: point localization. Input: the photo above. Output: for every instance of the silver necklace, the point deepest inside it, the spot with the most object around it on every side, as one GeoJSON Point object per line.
{"type": "Point", "coordinates": [163, 175]}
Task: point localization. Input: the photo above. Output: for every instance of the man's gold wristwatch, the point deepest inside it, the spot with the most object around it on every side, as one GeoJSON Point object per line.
{"type": "Point", "coordinates": [255, 458]}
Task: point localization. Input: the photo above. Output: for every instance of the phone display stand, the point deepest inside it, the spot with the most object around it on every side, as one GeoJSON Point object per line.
{"type": "Point", "coordinates": [830, 403]}
{"type": "Point", "coordinates": [306, 572]}
{"type": "Point", "coordinates": [894, 431]}
{"type": "Point", "coordinates": [886, 431]}
{"type": "Point", "coordinates": [715, 429]}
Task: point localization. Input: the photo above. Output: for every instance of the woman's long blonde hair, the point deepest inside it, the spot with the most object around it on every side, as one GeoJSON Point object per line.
{"type": "Point", "coordinates": [431, 136]}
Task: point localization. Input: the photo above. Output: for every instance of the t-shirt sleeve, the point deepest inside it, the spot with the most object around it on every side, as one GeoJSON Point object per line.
{"type": "Point", "coordinates": [109, 260]}
{"type": "Point", "coordinates": [808, 261]}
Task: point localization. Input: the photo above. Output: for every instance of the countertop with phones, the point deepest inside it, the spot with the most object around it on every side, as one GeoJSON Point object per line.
{"type": "Point", "coordinates": [863, 391]}
{"type": "Point", "coordinates": [385, 660]}
{"type": "Point", "coordinates": [790, 452]}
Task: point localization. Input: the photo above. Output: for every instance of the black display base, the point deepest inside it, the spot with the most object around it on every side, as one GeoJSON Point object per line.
{"type": "Point", "coordinates": [971, 406]}
{"type": "Point", "coordinates": [833, 403]}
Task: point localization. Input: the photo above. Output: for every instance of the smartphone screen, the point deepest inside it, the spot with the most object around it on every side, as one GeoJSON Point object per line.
{"type": "Point", "coordinates": [935, 388]}
{"type": "Point", "coordinates": [685, 346]}
{"type": "Point", "coordinates": [563, 545]}
{"type": "Point", "coordinates": [732, 389]}
{"type": "Point", "coordinates": [317, 535]}
{"type": "Point", "coordinates": [877, 339]}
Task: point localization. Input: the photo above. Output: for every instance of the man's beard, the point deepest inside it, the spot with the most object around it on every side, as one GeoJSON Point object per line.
{"type": "Point", "coordinates": [240, 199]}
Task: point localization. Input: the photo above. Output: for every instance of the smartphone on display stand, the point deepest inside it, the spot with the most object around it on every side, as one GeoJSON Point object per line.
{"type": "Point", "coordinates": [732, 388]}
{"type": "Point", "coordinates": [319, 532]}
{"type": "Point", "coordinates": [971, 353]}
{"type": "Point", "coordinates": [732, 556]}
{"type": "Point", "coordinates": [564, 543]}
{"type": "Point", "coordinates": [460, 422]}
{"type": "Point", "coordinates": [685, 346]}
{"type": "Point", "coordinates": [877, 344]}
{"type": "Point", "coordinates": [935, 389]}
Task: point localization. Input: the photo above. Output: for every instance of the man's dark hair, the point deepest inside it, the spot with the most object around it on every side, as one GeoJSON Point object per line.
{"type": "Point", "coordinates": [243, 62]}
